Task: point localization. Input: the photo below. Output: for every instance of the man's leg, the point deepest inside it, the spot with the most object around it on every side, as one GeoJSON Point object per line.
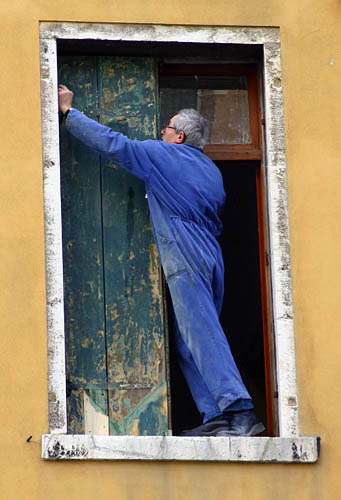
{"type": "Point", "coordinates": [218, 297]}
{"type": "Point", "coordinates": [204, 338]}
{"type": "Point", "coordinates": [208, 364]}
{"type": "Point", "coordinates": [204, 400]}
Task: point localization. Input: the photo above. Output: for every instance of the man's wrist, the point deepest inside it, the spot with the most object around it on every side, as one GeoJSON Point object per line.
{"type": "Point", "coordinates": [65, 110]}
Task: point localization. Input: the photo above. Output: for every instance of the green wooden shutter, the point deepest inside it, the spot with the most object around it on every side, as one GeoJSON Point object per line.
{"type": "Point", "coordinates": [115, 339]}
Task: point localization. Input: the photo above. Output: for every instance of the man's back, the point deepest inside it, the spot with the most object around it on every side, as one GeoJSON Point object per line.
{"type": "Point", "coordinates": [186, 183]}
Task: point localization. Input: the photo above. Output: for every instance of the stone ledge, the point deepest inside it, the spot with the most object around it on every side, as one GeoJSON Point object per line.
{"type": "Point", "coordinates": [217, 449]}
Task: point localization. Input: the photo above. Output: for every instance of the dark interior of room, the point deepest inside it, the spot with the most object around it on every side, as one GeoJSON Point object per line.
{"type": "Point", "coordinates": [241, 315]}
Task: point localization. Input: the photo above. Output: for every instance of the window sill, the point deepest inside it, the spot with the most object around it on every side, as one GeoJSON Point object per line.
{"type": "Point", "coordinates": [224, 449]}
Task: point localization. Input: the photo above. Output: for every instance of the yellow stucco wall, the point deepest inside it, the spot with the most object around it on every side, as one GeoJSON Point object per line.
{"type": "Point", "coordinates": [311, 44]}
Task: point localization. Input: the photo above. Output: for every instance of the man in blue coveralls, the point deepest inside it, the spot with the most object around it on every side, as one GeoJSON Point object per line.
{"type": "Point", "coordinates": [185, 196]}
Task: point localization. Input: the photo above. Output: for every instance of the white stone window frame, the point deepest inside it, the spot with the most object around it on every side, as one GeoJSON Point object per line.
{"type": "Point", "coordinates": [290, 446]}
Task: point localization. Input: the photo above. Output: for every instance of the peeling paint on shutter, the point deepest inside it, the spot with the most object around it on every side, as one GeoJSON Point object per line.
{"type": "Point", "coordinates": [112, 280]}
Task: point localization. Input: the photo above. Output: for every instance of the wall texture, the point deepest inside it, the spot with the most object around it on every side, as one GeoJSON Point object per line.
{"type": "Point", "coordinates": [311, 43]}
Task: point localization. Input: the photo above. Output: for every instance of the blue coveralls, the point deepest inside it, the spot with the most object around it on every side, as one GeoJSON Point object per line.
{"type": "Point", "coordinates": [185, 196]}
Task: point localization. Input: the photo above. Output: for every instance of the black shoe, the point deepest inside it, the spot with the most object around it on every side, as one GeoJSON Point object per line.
{"type": "Point", "coordinates": [239, 423]}
{"type": "Point", "coordinates": [242, 423]}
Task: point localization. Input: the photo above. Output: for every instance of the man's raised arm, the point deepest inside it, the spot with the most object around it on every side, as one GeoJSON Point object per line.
{"type": "Point", "coordinates": [134, 156]}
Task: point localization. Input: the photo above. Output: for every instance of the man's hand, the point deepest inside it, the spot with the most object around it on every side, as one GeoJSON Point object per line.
{"type": "Point", "coordinates": [65, 97]}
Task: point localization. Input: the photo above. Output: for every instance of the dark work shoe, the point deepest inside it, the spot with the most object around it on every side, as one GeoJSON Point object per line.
{"type": "Point", "coordinates": [210, 428]}
{"type": "Point", "coordinates": [241, 423]}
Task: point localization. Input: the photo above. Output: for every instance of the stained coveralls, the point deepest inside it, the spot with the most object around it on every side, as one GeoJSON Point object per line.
{"type": "Point", "coordinates": [185, 196]}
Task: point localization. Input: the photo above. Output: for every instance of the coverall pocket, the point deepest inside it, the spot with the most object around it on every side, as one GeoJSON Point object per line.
{"type": "Point", "coordinates": [171, 258]}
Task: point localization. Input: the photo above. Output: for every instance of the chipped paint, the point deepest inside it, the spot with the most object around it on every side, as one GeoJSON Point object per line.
{"type": "Point", "coordinates": [131, 413]}
{"type": "Point", "coordinates": [58, 452]}
{"type": "Point", "coordinates": [134, 325]}
{"type": "Point", "coordinates": [96, 419]}
{"type": "Point", "coordinates": [107, 231]}
{"type": "Point", "coordinates": [82, 252]}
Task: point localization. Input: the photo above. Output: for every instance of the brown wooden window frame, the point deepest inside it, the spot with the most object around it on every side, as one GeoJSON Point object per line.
{"type": "Point", "coordinates": [234, 152]}
{"type": "Point", "coordinates": [252, 151]}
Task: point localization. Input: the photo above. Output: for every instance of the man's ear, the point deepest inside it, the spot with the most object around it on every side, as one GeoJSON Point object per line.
{"type": "Point", "coordinates": [180, 137]}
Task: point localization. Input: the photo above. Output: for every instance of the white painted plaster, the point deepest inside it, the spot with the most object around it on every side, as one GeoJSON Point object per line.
{"type": "Point", "coordinates": [279, 239]}
{"type": "Point", "coordinates": [53, 238]}
{"type": "Point", "coordinates": [222, 449]}
{"type": "Point", "coordinates": [158, 33]}
{"type": "Point", "coordinates": [253, 449]}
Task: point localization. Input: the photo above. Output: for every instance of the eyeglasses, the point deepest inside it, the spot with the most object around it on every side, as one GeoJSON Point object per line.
{"type": "Point", "coordinates": [165, 125]}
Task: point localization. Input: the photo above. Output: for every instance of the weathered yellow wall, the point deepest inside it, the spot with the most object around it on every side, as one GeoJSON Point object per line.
{"type": "Point", "coordinates": [311, 43]}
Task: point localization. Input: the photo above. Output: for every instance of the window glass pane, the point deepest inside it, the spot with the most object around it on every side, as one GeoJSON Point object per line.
{"type": "Point", "coordinates": [172, 100]}
{"type": "Point", "coordinates": [228, 113]}
{"type": "Point", "coordinates": [222, 100]}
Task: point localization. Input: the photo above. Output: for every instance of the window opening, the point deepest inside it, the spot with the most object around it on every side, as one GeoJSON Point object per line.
{"type": "Point", "coordinates": [216, 90]}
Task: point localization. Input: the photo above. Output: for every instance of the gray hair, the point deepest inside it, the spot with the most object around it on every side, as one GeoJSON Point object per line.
{"type": "Point", "coordinates": [194, 126]}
